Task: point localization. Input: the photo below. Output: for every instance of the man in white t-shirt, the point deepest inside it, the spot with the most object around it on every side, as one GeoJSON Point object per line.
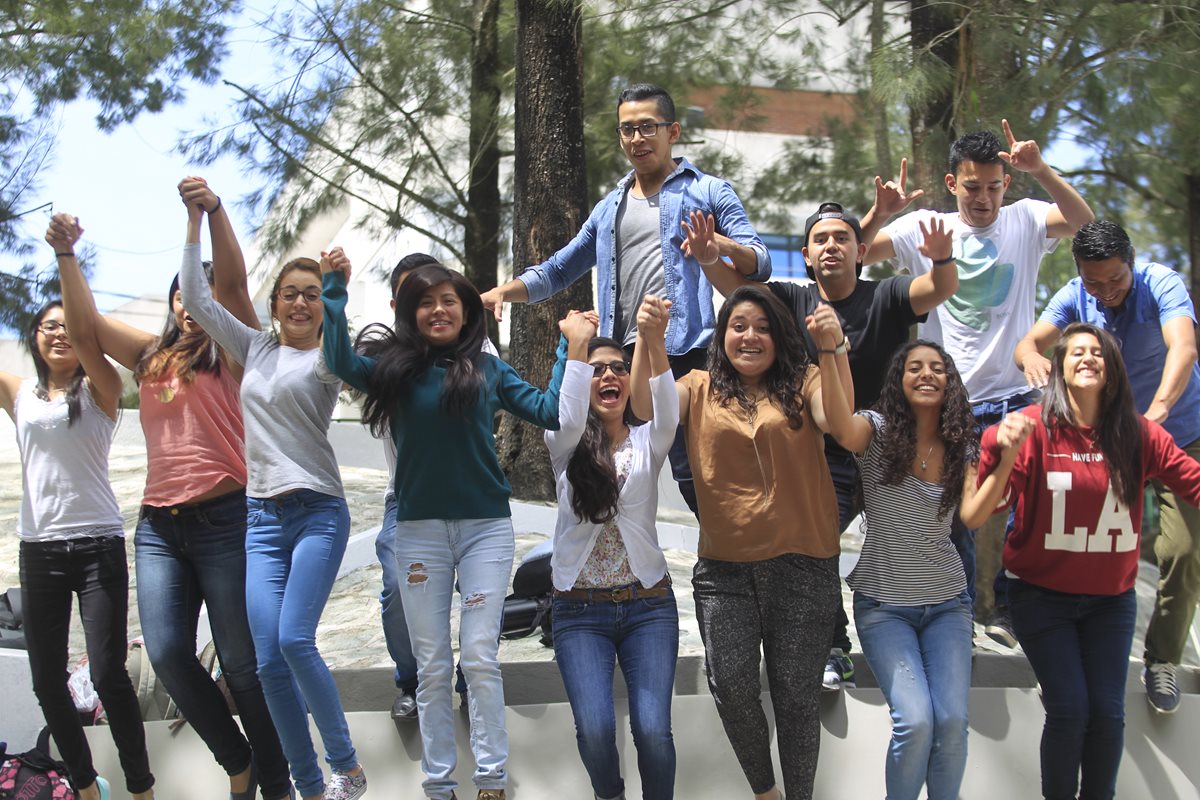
{"type": "Point", "coordinates": [998, 249]}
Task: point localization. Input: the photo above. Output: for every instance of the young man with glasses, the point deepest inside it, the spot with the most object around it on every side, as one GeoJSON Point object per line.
{"type": "Point", "coordinates": [634, 237]}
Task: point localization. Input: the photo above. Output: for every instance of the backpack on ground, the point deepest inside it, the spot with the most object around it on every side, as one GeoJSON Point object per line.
{"type": "Point", "coordinates": [33, 775]}
{"type": "Point", "coordinates": [528, 608]}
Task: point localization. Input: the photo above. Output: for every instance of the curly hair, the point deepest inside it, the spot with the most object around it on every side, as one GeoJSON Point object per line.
{"type": "Point", "coordinates": [784, 379]}
{"type": "Point", "coordinates": [591, 470]}
{"type": "Point", "coordinates": [1119, 429]}
{"type": "Point", "coordinates": [956, 427]}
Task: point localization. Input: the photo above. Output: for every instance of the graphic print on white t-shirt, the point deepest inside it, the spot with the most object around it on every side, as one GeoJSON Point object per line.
{"type": "Point", "coordinates": [981, 324]}
{"type": "Point", "coordinates": [983, 284]}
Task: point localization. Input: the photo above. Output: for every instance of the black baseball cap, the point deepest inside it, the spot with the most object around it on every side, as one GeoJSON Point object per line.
{"type": "Point", "coordinates": [830, 210]}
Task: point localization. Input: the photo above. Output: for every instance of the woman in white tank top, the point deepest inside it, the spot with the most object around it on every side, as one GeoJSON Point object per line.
{"type": "Point", "coordinates": [72, 534]}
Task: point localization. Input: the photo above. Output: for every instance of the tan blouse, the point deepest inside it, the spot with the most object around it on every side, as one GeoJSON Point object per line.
{"type": "Point", "coordinates": [763, 487]}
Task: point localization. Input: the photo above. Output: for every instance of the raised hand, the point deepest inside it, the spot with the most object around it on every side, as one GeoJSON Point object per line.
{"type": "Point", "coordinates": [824, 327]}
{"type": "Point", "coordinates": [893, 197]}
{"type": "Point", "coordinates": [63, 233]}
{"type": "Point", "coordinates": [1014, 429]}
{"type": "Point", "coordinates": [1023, 156]}
{"type": "Point", "coordinates": [194, 191]}
{"type": "Point", "coordinates": [653, 316]}
{"type": "Point", "coordinates": [579, 326]}
{"type": "Point", "coordinates": [700, 243]}
{"type": "Point", "coordinates": [335, 260]}
{"type": "Point", "coordinates": [939, 243]}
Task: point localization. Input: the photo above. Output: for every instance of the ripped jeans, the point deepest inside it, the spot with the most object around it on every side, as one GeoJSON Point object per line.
{"type": "Point", "coordinates": [428, 554]}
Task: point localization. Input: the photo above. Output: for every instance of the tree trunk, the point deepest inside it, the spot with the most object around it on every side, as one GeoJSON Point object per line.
{"type": "Point", "coordinates": [878, 113]}
{"type": "Point", "coordinates": [482, 232]}
{"type": "Point", "coordinates": [549, 207]}
{"type": "Point", "coordinates": [932, 123]}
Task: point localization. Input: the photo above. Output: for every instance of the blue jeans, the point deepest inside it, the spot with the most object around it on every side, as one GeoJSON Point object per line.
{"type": "Point", "coordinates": [1078, 646]}
{"type": "Point", "coordinates": [188, 555]}
{"type": "Point", "coordinates": [428, 554]}
{"type": "Point", "coordinates": [921, 656]}
{"type": "Point", "coordinates": [294, 546]}
{"type": "Point", "coordinates": [988, 413]}
{"type": "Point", "coordinates": [643, 636]}
{"type": "Point", "coordinates": [395, 629]}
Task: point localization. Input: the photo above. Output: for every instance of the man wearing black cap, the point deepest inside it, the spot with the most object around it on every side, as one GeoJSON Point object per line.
{"type": "Point", "coordinates": [876, 317]}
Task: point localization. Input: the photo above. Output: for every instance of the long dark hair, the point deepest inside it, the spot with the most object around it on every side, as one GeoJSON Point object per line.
{"type": "Point", "coordinates": [43, 369]}
{"type": "Point", "coordinates": [956, 427]}
{"type": "Point", "coordinates": [1118, 432]}
{"type": "Point", "coordinates": [402, 354]}
{"type": "Point", "coordinates": [187, 353]}
{"type": "Point", "coordinates": [784, 379]}
{"type": "Point", "coordinates": [591, 471]}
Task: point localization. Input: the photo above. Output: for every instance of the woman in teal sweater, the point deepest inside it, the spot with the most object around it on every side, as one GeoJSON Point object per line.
{"type": "Point", "coordinates": [427, 382]}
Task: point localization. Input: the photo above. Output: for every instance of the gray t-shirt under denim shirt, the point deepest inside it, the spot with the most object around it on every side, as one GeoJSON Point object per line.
{"type": "Point", "coordinates": [287, 396]}
{"type": "Point", "coordinates": [639, 261]}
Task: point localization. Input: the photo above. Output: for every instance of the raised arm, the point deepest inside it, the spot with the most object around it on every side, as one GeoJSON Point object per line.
{"type": "Point", "coordinates": [890, 199]}
{"type": "Point", "coordinates": [1002, 444]}
{"type": "Point", "coordinates": [833, 349]}
{"type": "Point", "coordinates": [928, 291]}
{"type": "Point", "coordinates": [1071, 212]}
{"type": "Point", "coordinates": [574, 402]}
{"type": "Point", "coordinates": [649, 353]}
{"type": "Point", "coordinates": [852, 432]}
{"type": "Point", "coordinates": [79, 314]}
{"type": "Point", "coordinates": [537, 406]}
{"type": "Point", "coordinates": [123, 342]}
{"type": "Point", "coordinates": [229, 265]}
{"type": "Point", "coordinates": [336, 347]}
{"type": "Point", "coordinates": [9, 386]}
{"type": "Point", "coordinates": [225, 329]}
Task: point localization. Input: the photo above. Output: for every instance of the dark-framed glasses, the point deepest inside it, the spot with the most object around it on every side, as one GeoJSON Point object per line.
{"type": "Point", "coordinates": [618, 368]}
{"type": "Point", "coordinates": [51, 327]}
{"type": "Point", "coordinates": [648, 130]}
{"type": "Point", "coordinates": [289, 293]}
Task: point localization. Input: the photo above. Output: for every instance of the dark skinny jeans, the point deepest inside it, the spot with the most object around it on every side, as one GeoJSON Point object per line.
{"type": "Point", "coordinates": [95, 571]}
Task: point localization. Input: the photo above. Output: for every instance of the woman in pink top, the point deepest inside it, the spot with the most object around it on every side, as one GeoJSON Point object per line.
{"type": "Point", "coordinates": [190, 541]}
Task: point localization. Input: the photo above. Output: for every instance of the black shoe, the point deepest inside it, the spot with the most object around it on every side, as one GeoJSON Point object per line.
{"type": "Point", "coordinates": [999, 630]}
{"type": "Point", "coordinates": [405, 706]}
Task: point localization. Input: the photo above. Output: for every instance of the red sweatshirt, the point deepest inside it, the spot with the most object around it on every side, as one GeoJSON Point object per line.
{"type": "Point", "coordinates": [1070, 533]}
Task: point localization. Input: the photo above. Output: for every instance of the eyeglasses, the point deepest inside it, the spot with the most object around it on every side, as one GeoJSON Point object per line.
{"type": "Point", "coordinates": [51, 327]}
{"type": "Point", "coordinates": [289, 293]}
{"type": "Point", "coordinates": [618, 368]}
{"type": "Point", "coordinates": [648, 130]}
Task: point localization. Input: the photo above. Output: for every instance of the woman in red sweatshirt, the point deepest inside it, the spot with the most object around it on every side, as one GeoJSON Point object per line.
{"type": "Point", "coordinates": [1073, 553]}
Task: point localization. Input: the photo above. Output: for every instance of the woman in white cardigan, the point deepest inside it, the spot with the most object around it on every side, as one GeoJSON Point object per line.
{"type": "Point", "coordinates": [613, 600]}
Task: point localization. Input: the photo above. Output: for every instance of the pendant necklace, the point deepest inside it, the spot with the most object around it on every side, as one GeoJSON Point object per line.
{"type": "Point", "coordinates": [925, 460]}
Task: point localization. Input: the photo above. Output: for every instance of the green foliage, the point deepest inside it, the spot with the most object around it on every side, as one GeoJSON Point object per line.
{"type": "Point", "coordinates": [128, 56]}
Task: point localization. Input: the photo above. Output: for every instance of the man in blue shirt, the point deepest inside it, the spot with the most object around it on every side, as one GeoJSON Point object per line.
{"type": "Point", "coordinates": [634, 238]}
{"type": "Point", "coordinates": [1148, 309]}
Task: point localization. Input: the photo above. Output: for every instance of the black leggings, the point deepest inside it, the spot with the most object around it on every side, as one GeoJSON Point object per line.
{"type": "Point", "coordinates": [786, 605]}
{"type": "Point", "coordinates": [96, 572]}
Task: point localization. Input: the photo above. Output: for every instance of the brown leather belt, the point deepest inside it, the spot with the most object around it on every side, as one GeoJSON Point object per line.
{"type": "Point", "coordinates": [623, 594]}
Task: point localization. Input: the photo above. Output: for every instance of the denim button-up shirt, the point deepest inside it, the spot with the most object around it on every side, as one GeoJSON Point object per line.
{"type": "Point", "coordinates": [687, 189]}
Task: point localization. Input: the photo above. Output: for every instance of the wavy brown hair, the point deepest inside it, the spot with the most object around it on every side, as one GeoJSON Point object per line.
{"type": "Point", "coordinates": [956, 427]}
{"type": "Point", "coordinates": [185, 353]}
{"type": "Point", "coordinates": [784, 379]}
{"type": "Point", "coordinates": [591, 470]}
{"type": "Point", "coordinates": [1119, 430]}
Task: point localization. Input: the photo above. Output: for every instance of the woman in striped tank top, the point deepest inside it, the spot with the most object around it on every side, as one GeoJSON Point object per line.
{"type": "Point", "coordinates": [918, 453]}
